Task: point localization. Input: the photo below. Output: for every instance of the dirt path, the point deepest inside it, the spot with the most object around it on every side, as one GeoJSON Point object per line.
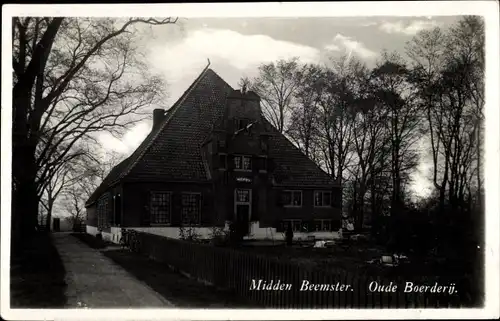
{"type": "Point", "coordinates": [94, 281]}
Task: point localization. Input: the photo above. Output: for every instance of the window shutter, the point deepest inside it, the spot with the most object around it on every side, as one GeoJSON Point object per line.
{"type": "Point", "coordinates": [279, 198]}
{"type": "Point", "coordinates": [215, 161]}
{"type": "Point", "coordinates": [230, 162]}
{"type": "Point", "coordinates": [271, 165]}
{"type": "Point", "coordinates": [255, 163]}
{"type": "Point", "coordinates": [311, 226]}
{"type": "Point", "coordinates": [336, 225]}
{"type": "Point", "coordinates": [255, 205]}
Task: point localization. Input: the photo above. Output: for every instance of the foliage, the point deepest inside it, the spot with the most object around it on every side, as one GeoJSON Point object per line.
{"type": "Point", "coordinates": [189, 233]}
{"type": "Point", "coordinates": [219, 236]}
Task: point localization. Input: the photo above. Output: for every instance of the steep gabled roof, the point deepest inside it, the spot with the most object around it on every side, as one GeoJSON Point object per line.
{"type": "Point", "coordinates": [172, 151]}
{"type": "Point", "coordinates": [181, 133]}
{"type": "Point", "coordinates": [292, 166]}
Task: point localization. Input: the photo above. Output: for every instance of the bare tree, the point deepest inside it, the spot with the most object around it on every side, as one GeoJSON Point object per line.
{"type": "Point", "coordinates": [87, 176]}
{"type": "Point", "coordinates": [73, 206]}
{"type": "Point", "coordinates": [276, 85]}
{"type": "Point", "coordinates": [303, 129]}
{"type": "Point", "coordinates": [395, 93]}
{"type": "Point", "coordinates": [426, 51]}
{"type": "Point", "coordinates": [371, 150]}
{"type": "Point", "coordinates": [337, 113]}
{"type": "Point", "coordinates": [448, 70]}
{"type": "Point", "coordinates": [73, 77]}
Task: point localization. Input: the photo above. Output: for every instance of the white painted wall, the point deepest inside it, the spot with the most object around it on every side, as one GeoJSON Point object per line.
{"type": "Point", "coordinates": [173, 232]}
{"type": "Point", "coordinates": [269, 233]}
{"type": "Point", "coordinates": [256, 233]}
{"type": "Point", "coordinates": [92, 230]}
{"type": "Point", "coordinates": [113, 236]}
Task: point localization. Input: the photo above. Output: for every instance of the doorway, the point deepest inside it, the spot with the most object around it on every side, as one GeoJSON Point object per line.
{"type": "Point", "coordinates": [243, 208]}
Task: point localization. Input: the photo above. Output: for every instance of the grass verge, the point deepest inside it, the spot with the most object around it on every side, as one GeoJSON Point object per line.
{"type": "Point", "coordinates": [37, 274]}
{"type": "Point", "coordinates": [173, 286]}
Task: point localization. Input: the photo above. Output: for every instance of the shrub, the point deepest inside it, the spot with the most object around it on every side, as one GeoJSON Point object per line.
{"type": "Point", "coordinates": [219, 236]}
{"type": "Point", "coordinates": [189, 233]}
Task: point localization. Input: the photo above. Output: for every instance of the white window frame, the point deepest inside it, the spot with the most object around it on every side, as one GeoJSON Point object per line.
{"type": "Point", "coordinates": [322, 199]}
{"type": "Point", "coordinates": [292, 196]}
{"type": "Point", "coordinates": [293, 220]}
{"type": "Point", "coordinates": [242, 158]}
{"type": "Point", "coordinates": [322, 228]}
{"type": "Point", "coordinates": [170, 199]}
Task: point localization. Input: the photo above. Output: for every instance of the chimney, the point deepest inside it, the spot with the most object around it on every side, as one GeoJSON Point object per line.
{"type": "Point", "coordinates": [244, 104]}
{"type": "Point", "coordinates": [158, 116]}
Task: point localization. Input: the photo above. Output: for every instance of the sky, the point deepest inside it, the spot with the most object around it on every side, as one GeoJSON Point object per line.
{"type": "Point", "coordinates": [237, 46]}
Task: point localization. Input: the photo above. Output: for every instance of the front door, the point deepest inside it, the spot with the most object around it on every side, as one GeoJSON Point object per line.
{"type": "Point", "coordinates": [243, 208]}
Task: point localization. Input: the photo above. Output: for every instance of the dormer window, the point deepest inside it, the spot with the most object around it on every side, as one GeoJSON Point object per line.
{"type": "Point", "coordinates": [241, 123]}
{"type": "Point", "coordinates": [243, 163]}
{"type": "Point", "coordinates": [263, 144]}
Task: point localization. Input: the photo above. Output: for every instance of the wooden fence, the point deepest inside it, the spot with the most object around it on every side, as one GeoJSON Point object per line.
{"type": "Point", "coordinates": [234, 270]}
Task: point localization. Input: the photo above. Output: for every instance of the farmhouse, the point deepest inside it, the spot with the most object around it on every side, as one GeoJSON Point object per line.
{"type": "Point", "coordinates": [212, 159]}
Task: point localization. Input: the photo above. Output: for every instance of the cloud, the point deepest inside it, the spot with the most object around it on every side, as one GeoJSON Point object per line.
{"type": "Point", "coordinates": [232, 55]}
{"type": "Point", "coordinates": [129, 141]}
{"type": "Point", "coordinates": [351, 46]}
{"type": "Point", "coordinates": [410, 29]}
{"type": "Point", "coordinates": [235, 49]}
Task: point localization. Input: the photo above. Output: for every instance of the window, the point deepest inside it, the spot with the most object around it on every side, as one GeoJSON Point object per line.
{"type": "Point", "coordinates": [263, 144]}
{"type": "Point", "coordinates": [297, 225]}
{"type": "Point", "coordinates": [222, 161]}
{"type": "Point", "coordinates": [191, 208]}
{"type": "Point", "coordinates": [243, 163]}
{"type": "Point", "coordinates": [243, 195]}
{"type": "Point", "coordinates": [160, 207]}
{"type": "Point", "coordinates": [323, 225]}
{"type": "Point", "coordinates": [322, 199]}
{"type": "Point", "coordinates": [292, 198]}
{"type": "Point", "coordinates": [241, 123]}
{"type": "Point", "coordinates": [102, 212]}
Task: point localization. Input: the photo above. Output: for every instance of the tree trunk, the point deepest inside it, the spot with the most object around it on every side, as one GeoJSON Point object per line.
{"type": "Point", "coordinates": [48, 219]}
{"type": "Point", "coordinates": [25, 199]}
{"type": "Point", "coordinates": [360, 215]}
{"type": "Point", "coordinates": [25, 211]}
{"type": "Point", "coordinates": [374, 210]}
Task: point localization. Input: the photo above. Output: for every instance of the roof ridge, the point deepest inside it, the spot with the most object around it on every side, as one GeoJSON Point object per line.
{"type": "Point", "coordinates": [170, 115]}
